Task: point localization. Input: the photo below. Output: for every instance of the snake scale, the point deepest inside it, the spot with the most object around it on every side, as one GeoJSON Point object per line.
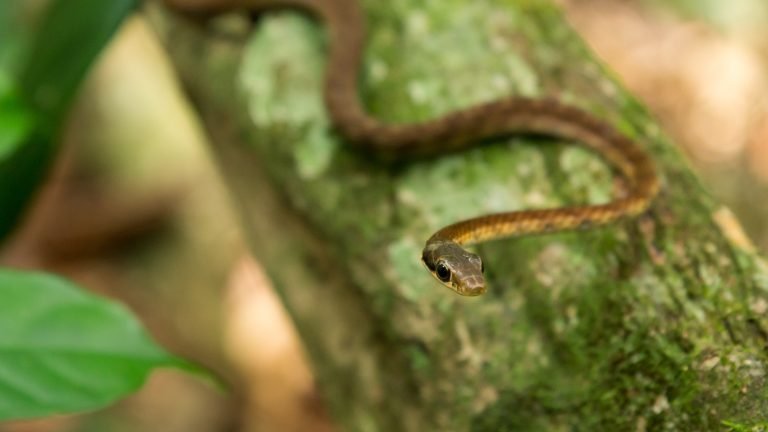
{"type": "Point", "coordinates": [443, 254]}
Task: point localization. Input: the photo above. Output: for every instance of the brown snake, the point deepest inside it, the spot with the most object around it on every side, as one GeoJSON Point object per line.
{"type": "Point", "coordinates": [443, 255]}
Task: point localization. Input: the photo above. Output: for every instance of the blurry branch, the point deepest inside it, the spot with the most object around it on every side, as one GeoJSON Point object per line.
{"type": "Point", "coordinates": [657, 322]}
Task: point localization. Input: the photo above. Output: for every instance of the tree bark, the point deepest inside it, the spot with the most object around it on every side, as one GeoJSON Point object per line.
{"type": "Point", "coordinates": [655, 323]}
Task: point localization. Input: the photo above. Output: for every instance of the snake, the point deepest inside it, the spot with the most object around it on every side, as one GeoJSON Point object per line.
{"type": "Point", "coordinates": [445, 254]}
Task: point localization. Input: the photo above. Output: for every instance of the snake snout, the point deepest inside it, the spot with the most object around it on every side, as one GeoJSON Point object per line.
{"type": "Point", "coordinates": [471, 286]}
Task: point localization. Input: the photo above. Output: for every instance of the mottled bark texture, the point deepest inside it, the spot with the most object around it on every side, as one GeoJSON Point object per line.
{"type": "Point", "coordinates": [653, 324]}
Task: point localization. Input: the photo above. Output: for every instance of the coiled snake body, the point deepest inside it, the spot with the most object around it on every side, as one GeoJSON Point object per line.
{"type": "Point", "coordinates": [443, 253]}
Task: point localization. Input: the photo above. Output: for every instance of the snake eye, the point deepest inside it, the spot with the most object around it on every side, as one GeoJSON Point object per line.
{"type": "Point", "coordinates": [442, 271]}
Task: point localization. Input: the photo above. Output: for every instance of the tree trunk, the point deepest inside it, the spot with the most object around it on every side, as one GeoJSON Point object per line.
{"type": "Point", "coordinates": [657, 323]}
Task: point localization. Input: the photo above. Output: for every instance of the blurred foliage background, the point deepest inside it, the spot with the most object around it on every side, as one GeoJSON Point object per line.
{"type": "Point", "coordinates": [133, 207]}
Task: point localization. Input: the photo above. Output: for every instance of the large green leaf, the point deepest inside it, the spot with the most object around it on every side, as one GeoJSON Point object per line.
{"type": "Point", "coordinates": [64, 350]}
{"type": "Point", "coordinates": [70, 36]}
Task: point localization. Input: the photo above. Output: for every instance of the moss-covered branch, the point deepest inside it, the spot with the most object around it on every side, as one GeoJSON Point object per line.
{"type": "Point", "coordinates": [658, 323]}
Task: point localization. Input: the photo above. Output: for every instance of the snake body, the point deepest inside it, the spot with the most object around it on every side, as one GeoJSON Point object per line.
{"type": "Point", "coordinates": [443, 253]}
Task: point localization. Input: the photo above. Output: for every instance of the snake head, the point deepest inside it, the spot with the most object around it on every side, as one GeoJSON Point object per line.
{"type": "Point", "coordinates": [454, 267]}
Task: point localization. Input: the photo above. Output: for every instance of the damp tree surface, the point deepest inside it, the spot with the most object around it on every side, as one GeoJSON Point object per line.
{"type": "Point", "coordinates": [654, 323]}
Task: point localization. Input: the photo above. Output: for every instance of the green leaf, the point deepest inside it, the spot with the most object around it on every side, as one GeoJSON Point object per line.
{"type": "Point", "coordinates": [16, 121]}
{"type": "Point", "coordinates": [70, 36]}
{"type": "Point", "coordinates": [64, 350]}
